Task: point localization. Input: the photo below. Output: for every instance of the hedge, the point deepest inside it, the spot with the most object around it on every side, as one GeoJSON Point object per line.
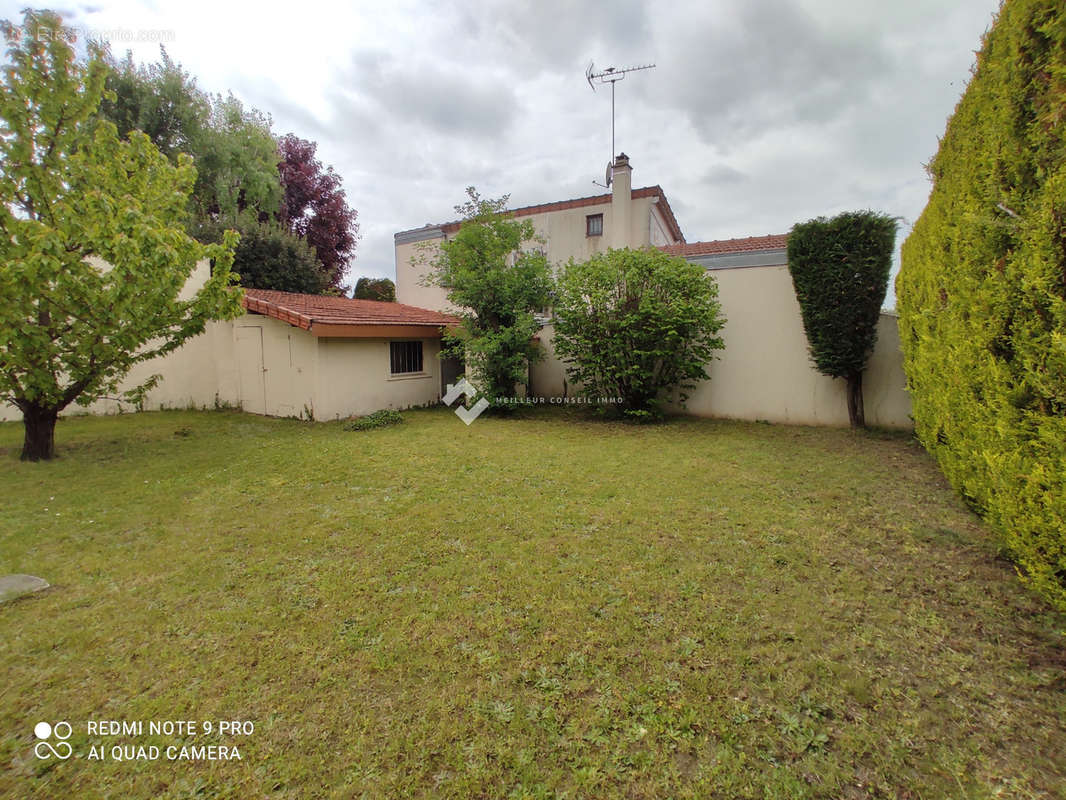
{"type": "Point", "coordinates": [982, 293]}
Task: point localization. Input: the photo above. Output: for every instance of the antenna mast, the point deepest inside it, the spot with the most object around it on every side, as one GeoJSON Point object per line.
{"type": "Point", "coordinates": [610, 75]}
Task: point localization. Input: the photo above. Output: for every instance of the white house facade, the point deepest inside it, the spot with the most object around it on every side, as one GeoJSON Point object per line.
{"type": "Point", "coordinates": [764, 372]}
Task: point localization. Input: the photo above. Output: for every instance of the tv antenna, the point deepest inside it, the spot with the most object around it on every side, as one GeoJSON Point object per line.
{"type": "Point", "coordinates": [610, 75]}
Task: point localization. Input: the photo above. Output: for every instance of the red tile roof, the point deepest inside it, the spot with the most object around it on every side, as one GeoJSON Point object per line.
{"type": "Point", "coordinates": [751, 244]}
{"type": "Point", "coordinates": [596, 200]}
{"type": "Point", "coordinates": [306, 310]}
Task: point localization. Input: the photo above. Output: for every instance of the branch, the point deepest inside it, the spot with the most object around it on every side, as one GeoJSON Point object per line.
{"type": "Point", "coordinates": [75, 389]}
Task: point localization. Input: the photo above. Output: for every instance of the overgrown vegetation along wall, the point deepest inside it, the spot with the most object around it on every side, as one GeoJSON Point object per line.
{"type": "Point", "coordinates": [982, 293]}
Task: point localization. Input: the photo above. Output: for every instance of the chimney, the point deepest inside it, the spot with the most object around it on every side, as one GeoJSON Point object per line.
{"type": "Point", "coordinates": [621, 202]}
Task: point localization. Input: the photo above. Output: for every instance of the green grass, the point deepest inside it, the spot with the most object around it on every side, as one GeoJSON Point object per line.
{"type": "Point", "coordinates": [537, 607]}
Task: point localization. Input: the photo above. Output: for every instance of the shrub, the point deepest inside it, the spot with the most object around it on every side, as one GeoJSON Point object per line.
{"type": "Point", "coordinates": [840, 270]}
{"type": "Point", "coordinates": [634, 324]}
{"type": "Point", "coordinates": [378, 419]}
{"type": "Point", "coordinates": [982, 293]}
{"type": "Point", "coordinates": [269, 257]}
{"type": "Point", "coordinates": [497, 282]}
{"type": "Point", "coordinates": [381, 289]}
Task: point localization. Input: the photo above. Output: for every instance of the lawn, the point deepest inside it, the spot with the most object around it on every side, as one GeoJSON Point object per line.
{"type": "Point", "coordinates": [539, 607]}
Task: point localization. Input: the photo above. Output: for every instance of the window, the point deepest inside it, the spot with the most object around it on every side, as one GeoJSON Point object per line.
{"type": "Point", "coordinates": [594, 225]}
{"type": "Point", "coordinates": [405, 357]}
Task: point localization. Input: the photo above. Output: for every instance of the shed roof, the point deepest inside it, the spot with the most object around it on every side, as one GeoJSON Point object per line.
{"type": "Point", "coordinates": [344, 317]}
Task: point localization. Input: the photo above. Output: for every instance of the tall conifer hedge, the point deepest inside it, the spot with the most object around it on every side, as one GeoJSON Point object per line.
{"type": "Point", "coordinates": [982, 293]}
{"type": "Point", "coordinates": [840, 269]}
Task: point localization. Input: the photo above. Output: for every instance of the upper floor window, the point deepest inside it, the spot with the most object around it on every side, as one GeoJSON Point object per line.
{"type": "Point", "coordinates": [594, 225]}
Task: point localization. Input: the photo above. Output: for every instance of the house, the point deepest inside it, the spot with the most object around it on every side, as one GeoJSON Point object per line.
{"type": "Point", "coordinates": [575, 229]}
{"type": "Point", "coordinates": [297, 355]}
{"type": "Point", "coordinates": [331, 357]}
{"type": "Point", "coordinates": [764, 372]}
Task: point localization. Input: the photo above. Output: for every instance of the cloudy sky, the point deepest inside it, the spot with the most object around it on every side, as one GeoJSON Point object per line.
{"type": "Point", "coordinates": [759, 113]}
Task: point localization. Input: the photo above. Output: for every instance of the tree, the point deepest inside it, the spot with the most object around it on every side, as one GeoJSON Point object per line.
{"type": "Point", "coordinates": [314, 207]}
{"type": "Point", "coordinates": [245, 177]}
{"type": "Point", "coordinates": [375, 289]}
{"type": "Point", "coordinates": [633, 324]}
{"type": "Point", "coordinates": [237, 166]}
{"type": "Point", "coordinates": [982, 294]}
{"type": "Point", "coordinates": [840, 269]}
{"type": "Point", "coordinates": [94, 254]}
{"type": "Point", "coordinates": [162, 100]}
{"type": "Point", "coordinates": [498, 285]}
{"type": "Point", "coordinates": [269, 257]}
{"type": "Point", "coordinates": [233, 148]}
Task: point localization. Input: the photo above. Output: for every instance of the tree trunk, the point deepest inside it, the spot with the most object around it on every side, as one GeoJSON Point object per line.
{"type": "Point", "coordinates": [39, 443]}
{"type": "Point", "coordinates": [855, 410]}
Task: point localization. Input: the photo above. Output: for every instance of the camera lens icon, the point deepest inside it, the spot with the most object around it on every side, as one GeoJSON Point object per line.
{"type": "Point", "coordinates": [44, 748]}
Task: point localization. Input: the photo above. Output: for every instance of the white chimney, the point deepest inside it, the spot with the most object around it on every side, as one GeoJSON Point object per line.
{"type": "Point", "coordinates": [621, 202]}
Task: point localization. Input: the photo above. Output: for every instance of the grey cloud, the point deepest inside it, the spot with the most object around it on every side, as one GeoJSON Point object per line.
{"type": "Point", "coordinates": [770, 64]}
{"type": "Point", "coordinates": [759, 114]}
{"type": "Point", "coordinates": [289, 116]}
{"type": "Point", "coordinates": [720, 174]}
{"type": "Point", "coordinates": [559, 35]}
{"type": "Point", "coordinates": [436, 97]}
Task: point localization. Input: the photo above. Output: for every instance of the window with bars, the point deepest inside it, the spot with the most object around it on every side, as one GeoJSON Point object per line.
{"type": "Point", "coordinates": [405, 357]}
{"type": "Point", "coordinates": [594, 225]}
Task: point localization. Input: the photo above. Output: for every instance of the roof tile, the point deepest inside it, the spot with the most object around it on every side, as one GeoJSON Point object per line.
{"type": "Point", "coordinates": [750, 244]}
{"type": "Point", "coordinates": [302, 310]}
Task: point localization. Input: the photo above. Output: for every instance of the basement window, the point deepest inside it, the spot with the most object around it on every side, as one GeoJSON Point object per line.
{"type": "Point", "coordinates": [405, 357]}
{"type": "Point", "coordinates": [594, 225]}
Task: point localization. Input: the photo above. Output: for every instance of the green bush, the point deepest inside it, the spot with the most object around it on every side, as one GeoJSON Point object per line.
{"type": "Point", "coordinates": [635, 324]}
{"type": "Point", "coordinates": [378, 419]}
{"type": "Point", "coordinates": [381, 289]}
{"type": "Point", "coordinates": [269, 257]}
{"type": "Point", "coordinates": [840, 270]}
{"type": "Point", "coordinates": [982, 293]}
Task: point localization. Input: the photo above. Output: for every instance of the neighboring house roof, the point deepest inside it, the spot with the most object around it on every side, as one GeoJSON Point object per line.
{"type": "Point", "coordinates": [754, 251]}
{"type": "Point", "coordinates": [563, 205]}
{"type": "Point", "coordinates": [343, 317]}
{"type": "Point", "coordinates": [751, 244]}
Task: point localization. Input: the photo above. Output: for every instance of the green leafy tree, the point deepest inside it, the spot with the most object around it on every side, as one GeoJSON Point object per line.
{"type": "Point", "coordinates": [237, 165]}
{"type": "Point", "coordinates": [269, 257]}
{"type": "Point", "coordinates": [381, 289]}
{"type": "Point", "coordinates": [94, 255]}
{"type": "Point", "coordinates": [233, 148]}
{"type": "Point", "coordinates": [982, 293]}
{"type": "Point", "coordinates": [635, 324]}
{"type": "Point", "coordinates": [840, 269]}
{"type": "Point", "coordinates": [162, 100]}
{"type": "Point", "coordinates": [498, 282]}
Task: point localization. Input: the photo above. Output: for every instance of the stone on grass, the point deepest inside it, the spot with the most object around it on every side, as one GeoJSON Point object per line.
{"type": "Point", "coordinates": [12, 586]}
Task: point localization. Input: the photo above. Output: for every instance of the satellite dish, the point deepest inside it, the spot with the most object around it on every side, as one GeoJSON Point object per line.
{"type": "Point", "coordinates": [609, 175]}
{"type": "Point", "coordinates": [588, 76]}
